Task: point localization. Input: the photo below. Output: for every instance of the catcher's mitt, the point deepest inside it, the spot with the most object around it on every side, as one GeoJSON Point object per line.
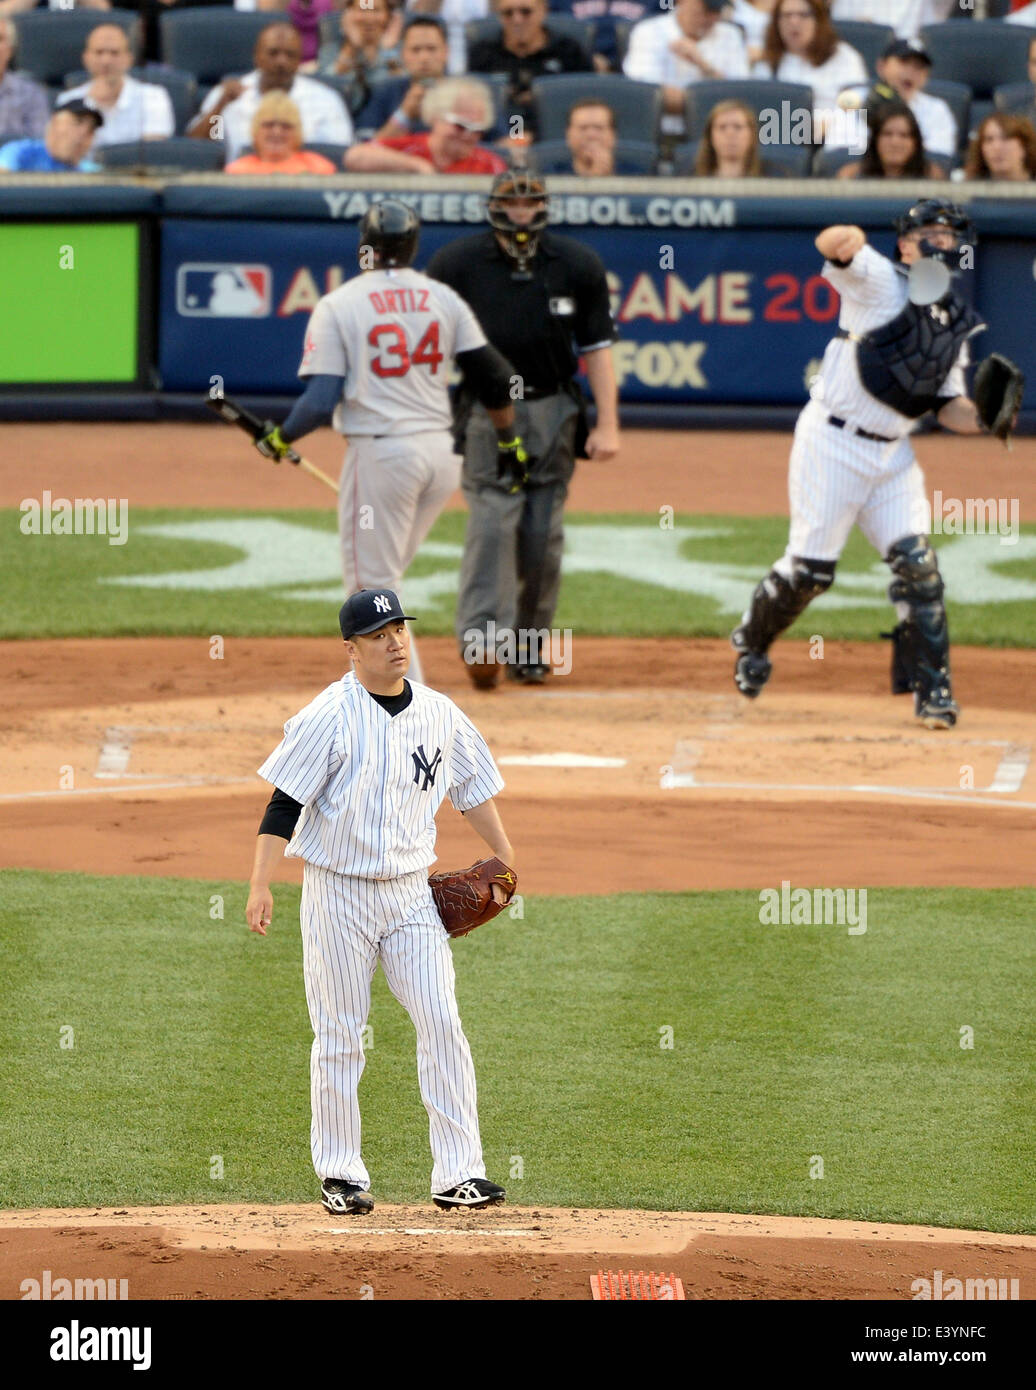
{"type": "Point", "coordinates": [998, 394]}
{"type": "Point", "coordinates": [464, 898]}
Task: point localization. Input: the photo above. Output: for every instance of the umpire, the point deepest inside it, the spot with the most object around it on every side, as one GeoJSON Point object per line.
{"type": "Point", "coordinates": [543, 302]}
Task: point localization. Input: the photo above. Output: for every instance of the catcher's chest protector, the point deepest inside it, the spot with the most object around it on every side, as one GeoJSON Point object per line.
{"type": "Point", "coordinates": [905, 361]}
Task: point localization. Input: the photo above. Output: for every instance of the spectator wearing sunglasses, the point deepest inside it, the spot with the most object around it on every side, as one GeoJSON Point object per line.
{"type": "Point", "coordinates": [457, 112]}
{"type": "Point", "coordinates": [525, 50]}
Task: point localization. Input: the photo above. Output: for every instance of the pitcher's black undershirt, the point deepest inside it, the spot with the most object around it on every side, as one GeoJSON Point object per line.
{"type": "Point", "coordinates": [283, 811]}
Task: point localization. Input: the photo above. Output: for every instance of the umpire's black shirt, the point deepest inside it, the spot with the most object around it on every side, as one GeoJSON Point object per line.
{"type": "Point", "coordinates": [540, 325]}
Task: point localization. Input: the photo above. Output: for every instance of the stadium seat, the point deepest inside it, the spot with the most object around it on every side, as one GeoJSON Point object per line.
{"type": "Point", "coordinates": [982, 55]}
{"type": "Point", "coordinates": [1015, 97]}
{"type": "Point", "coordinates": [181, 86]}
{"type": "Point", "coordinates": [563, 24]}
{"type": "Point", "coordinates": [637, 106]}
{"type": "Point", "coordinates": [340, 84]}
{"type": "Point", "coordinates": [979, 111]}
{"type": "Point", "coordinates": [828, 161]}
{"type": "Point", "coordinates": [778, 161]}
{"type": "Point", "coordinates": [869, 40]}
{"type": "Point", "coordinates": [554, 156]}
{"type": "Point", "coordinates": [212, 41]}
{"type": "Point", "coordinates": [332, 152]}
{"type": "Point", "coordinates": [51, 42]}
{"type": "Point", "coordinates": [761, 94]}
{"type": "Point", "coordinates": [178, 153]}
{"type": "Point", "coordinates": [787, 161]}
{"type": "Point", "coordinates": [329, 30]}
{"type": "Point", "coordinates": [958, 98]}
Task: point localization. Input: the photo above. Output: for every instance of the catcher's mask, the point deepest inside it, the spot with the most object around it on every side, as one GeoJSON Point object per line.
{"type": "Point", "coordinates": [391, 230]}
{"type": "Point", "coordinates": [520, 242]}
{"type": "Point", "coordinates": [933, 212]}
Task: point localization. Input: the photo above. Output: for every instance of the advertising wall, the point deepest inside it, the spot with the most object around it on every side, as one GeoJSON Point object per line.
{"type": "Point", "coordinates": [70, 299]}
{"type": "Point", "coordinates": [716, 300]}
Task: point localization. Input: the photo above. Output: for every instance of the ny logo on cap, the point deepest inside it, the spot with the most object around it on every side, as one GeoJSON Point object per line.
{"type": "Point", "coordinates": [382, 604]}
{"type": "Point", "coordinates": [424, 767]}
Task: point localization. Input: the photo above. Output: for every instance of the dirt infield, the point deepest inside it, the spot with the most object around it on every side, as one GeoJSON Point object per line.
{"type": "Point", "coordinates": [645, 744]}
{"type": "Point", "coordinates": [212, 465]}
{"type": "Point", "coordinates": [163, 743]}
{"type": "Point", "coordinates": [237, 1252]}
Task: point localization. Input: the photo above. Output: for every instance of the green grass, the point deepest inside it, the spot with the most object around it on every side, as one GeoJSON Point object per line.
{"type": "Point", "coordinates": [56, 586]}
{"type": "Point", "coordinates": [191, 1040]}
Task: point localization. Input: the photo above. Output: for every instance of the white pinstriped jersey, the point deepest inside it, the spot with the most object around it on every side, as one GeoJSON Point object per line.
{"type": "Point", "coordinates": [872, 291]}
{"type": "Point", "coordinates": [371, 783]}
{"type": "Point", "coordinates": [393, 335]}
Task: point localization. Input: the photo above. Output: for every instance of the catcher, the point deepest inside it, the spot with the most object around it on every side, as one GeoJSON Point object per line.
{"type": "Point", "coordinates": [900, 352]}
{"type": "Point", "coordinates": [358, 778]}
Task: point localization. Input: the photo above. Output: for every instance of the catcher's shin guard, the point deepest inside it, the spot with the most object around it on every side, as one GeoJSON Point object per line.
{"type": "Point", "coordinates": [776, 603]}
{"type": "Point", "coordinates": [921, 640]}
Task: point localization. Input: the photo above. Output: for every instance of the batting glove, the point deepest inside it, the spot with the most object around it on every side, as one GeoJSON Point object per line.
{"type": "Point", "coordinates": [271, 445]}
{"type": "Point", "coordinates": [512, 463]}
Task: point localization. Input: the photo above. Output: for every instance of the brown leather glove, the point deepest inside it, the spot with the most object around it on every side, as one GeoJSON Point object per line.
{"type": "Point", "coordinates": [464, 898]}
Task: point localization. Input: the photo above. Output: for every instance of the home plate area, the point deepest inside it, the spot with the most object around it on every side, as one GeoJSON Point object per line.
{"type": "Point", "coordinates": [808, 746]}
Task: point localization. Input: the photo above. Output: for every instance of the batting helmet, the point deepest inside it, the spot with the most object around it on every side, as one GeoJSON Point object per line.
{"type": "Point", "coordinates": [510, 187]}
{"type": "Point", "coordinates": [936, 212]}
{"type": "Point", "coordinates": [391, 230]}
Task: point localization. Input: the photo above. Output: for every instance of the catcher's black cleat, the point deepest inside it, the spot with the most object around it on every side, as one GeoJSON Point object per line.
{"type": "Point", "coordinates": [937, 709]}
{"type": "Point", "coordinates": [345, 1198]}
{"type": "Point", "coordinates": [473, 1192]}
{"type": "Point", "coordinates": [752, 669]}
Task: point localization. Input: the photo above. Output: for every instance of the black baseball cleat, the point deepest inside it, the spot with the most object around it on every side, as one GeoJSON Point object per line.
{"type": "Point", "coordinates": [937, 709]}
{"type": "Point", "coordinates": [342, 1198]}
{"type": "Point", "coordinates": [752, 669]}
{"type": "Point", "coordinates": [473, 1192]}
{"type": "Point", "coordinates": [535, 674]}
{"type": "Point", "coordinates": [751, 673]}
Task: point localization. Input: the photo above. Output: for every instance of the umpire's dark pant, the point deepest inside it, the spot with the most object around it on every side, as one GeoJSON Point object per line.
{"type": "Point", "coordinates": [511, 570]}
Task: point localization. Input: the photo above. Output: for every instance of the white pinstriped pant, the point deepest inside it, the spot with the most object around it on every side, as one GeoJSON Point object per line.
{"type": "Point", "coordinates": [348, 925]}
{"type": "Point", "coordinates": [837, 479]}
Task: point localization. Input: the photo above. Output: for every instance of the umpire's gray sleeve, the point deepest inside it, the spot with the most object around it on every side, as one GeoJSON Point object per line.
{"type": "Point", "coordinates": [488, 373]}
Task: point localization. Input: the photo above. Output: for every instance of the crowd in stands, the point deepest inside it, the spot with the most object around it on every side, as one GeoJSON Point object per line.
{"type": "Point", "coordinates": [854, 89]}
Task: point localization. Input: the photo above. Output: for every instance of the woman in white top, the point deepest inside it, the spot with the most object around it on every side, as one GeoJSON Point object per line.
{"type": "Point", "coordinates": [802, 46]}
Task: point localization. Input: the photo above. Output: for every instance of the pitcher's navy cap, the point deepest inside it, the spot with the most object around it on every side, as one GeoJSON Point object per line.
{"type": "Point", "coordinates": [368, 610]}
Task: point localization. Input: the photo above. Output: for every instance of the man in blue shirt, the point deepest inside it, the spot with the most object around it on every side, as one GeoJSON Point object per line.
{"type": "Point", "coordinates": [65, 146]}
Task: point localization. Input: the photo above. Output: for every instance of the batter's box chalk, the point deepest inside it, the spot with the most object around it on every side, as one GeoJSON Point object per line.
{"type": "Point", "coordinates": [626, 1284]}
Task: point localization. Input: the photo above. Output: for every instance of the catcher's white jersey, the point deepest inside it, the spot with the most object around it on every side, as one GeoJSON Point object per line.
{"type": "Point", "coordinates": [393, 335]}
{"type": "Point", "coordinates": [837, 479]}
{"type": "Point", "coordinates": [371, 783]}
{"type": "Point", "coordinates": [872, 292]}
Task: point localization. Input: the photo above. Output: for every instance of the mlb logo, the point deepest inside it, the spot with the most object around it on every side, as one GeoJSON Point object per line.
{"type": "Point", "coordinates": [215, 290]}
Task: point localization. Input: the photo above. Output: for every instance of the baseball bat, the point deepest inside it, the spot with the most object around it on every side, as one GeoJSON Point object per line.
{"type": "Point", "coordinates": [235, 414]}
